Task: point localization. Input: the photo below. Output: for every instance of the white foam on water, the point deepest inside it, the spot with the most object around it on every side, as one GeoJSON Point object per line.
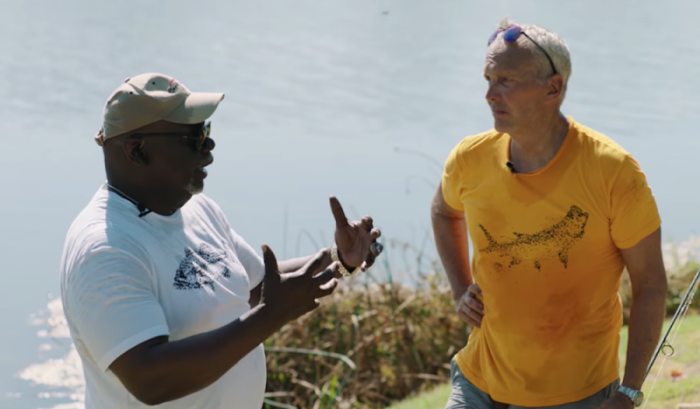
{"type": "Point", "coordinates": [57, 378]}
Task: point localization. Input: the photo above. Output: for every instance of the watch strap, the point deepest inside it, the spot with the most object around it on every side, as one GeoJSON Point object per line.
{"type": "Point", "coordinates": [635, 396]}
{"type": "Point", "coordinates": [343, 271]}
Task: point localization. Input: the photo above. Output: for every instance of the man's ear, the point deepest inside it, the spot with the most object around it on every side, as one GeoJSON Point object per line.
{"type": "Point", "coordinates": [555, 83]}
{"type": "Point", "coordinates": [133, 151]}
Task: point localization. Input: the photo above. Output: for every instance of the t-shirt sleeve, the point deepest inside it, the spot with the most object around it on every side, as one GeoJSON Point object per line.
{"type": "Point", "coordinates": [634, 210]}
{"type": "Point", "coordinates": [452, 179]}
{"type": "Point", "coordinates": [110, 300]}
{"type": "Point", "coordinates": [252, 262]}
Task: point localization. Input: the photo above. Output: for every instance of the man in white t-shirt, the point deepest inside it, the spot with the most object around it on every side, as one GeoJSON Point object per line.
{"type": "Point", "coordinates": [166, 304]}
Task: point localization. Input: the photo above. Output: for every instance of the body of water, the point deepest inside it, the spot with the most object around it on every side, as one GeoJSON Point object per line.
{"type": "Point", "coordinates": [319, 97]}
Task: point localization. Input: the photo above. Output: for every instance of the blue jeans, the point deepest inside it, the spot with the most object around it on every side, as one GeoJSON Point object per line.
{"type": "Point", "coordinates": [467, 396]}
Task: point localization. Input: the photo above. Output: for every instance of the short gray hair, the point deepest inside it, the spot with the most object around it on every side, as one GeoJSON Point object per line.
{"type": "Point", "coordinates": [554, 45]}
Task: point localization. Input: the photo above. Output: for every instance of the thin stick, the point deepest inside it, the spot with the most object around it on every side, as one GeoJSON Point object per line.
{"type": "Point", "coordinates": [682, 309]}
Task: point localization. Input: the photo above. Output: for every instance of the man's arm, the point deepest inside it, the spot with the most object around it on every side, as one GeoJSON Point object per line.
{"type": "Point", "coordinates": [648, 278]}
{"type": "Point", "coordinates": [450, 232]}
{"type": "Point", "coordinates": [159, 370]}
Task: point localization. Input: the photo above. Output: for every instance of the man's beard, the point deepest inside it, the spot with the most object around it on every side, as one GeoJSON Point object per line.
{"type": "Point", "coordinates": [194, 188]}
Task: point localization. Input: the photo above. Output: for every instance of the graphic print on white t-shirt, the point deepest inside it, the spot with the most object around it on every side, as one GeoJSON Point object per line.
{"type": "Point", "coordinates": [126, 279]}
{"type": "Point", "coordinates": [200, 268]}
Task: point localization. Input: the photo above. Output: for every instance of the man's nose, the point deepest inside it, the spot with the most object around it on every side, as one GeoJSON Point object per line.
{"type": "Point", "coordinates": [492, 93]}
{"type": "Point", "coordinates": [208, 145]}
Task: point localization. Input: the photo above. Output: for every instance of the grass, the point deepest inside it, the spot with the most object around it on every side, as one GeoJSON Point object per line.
{"type": "Point", "coordinates": [432, 399]}
{"type": "Point", "coordinates": [665, 393]}
{"type": "Point", "coordinates": [380, 342]}
{"type": "Point", "coordinates": [669, 390]}
{"type": "Point", "coordinates": [399, 340]}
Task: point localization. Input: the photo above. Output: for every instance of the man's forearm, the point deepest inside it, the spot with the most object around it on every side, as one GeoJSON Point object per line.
{"type": "Point", "coordinates": [453, 249]}
{"type": "Point", "coordinates": [645, 324]}
{"type": "Point", "coordinates": [294, 264]}
{"type": "Point", "coordinates": [176, 369]}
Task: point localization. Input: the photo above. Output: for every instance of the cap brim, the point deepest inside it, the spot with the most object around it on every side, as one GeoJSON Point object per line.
{"type": "Point", "coordinates": [198, 107]}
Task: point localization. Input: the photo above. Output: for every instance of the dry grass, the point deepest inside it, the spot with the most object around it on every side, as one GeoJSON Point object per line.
{"type": "Point", "coordinates": [398, 340]}
{"type": "Point", "coordinates": [372, 345]}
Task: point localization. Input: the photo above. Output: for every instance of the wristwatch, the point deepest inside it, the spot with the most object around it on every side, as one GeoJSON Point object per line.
{"type": "Point", "coordinates": [334, 256]}
{"type": "Point", "coordinates": [637, 397]}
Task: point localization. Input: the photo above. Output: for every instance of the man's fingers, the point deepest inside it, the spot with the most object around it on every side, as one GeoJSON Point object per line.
{"type": "Point", "coordinates": [472, 315]}
{"type": "Point", "coordinates": [313, 266]}
{"type": "Point", "coordinates": [375, 249]}
{"type": "Point", "coordinates": [327, 275]}
{"type": "Point", "coordinates": [464, 317]}
{"type": "Point", "coordinates": [338, 213]}
{"type": "Point", "coordinates": [469, 320]}
{"type": "Point", "coordinates": [476, 314]}
{"type": "Point", "coordinates": [474, 289]}
{"type": "Point", "coordinates": [369, 261]}
{"type": "Point", "coordinates": [475, 305]}
{"type": "Point", "coordinates": [468, 309]}
{"type": "Point", "coordinates": [271, 269]}
{"type": "Point", "coordinates": [315, 304]}
{"type": "Point", "coordinates": [327, 289]}
{"type": "Point", "coordinates": [375, 233]}
{"type": "Point", "coordinates": [367, 223]}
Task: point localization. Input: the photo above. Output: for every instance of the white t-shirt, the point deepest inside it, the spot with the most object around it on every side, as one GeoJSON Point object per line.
{"type": "Point", "coordinates": [126, 279]}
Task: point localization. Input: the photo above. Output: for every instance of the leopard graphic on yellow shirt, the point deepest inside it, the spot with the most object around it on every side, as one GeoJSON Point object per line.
{"type": "Point", "coordinates": [546, 257]}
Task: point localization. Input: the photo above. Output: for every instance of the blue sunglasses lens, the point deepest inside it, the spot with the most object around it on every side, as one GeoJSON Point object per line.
{"type": "Point", "coordinates": [511, 35]}
{"type": "Point", "coordinates": [493, 36]}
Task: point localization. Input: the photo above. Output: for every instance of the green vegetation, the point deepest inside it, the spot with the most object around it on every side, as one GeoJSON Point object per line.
{"type": "Point", "coordinates": [377, 344]}
{"type": "Point", "coordinates": [678, 377]}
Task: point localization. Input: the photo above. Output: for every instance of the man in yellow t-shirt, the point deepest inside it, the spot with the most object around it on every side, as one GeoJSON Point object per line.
{"type": "Point", "coordinates": [555, 211]}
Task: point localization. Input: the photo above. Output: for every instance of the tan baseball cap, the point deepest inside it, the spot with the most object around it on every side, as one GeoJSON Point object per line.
{"type": "Point", "coordinates": [153, 97]}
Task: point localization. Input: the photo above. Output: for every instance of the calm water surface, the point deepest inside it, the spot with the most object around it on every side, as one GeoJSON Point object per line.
{"type": "Point", "coordinates": [319, 94]}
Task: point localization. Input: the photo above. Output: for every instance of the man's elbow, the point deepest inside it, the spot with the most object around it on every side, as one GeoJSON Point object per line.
{"type": "Point", "coordinates": [434, 213]}
{"type": "Point", "coordinates": [663, 283]}
{"type": "Point", "coordinates": [141, 376]}
{"type": "Point", "coordinates": [435, 205]}
{"type": "Point", "coordinates": [150, 400]}
{"type": "Point", "coordinates": [149, 395]}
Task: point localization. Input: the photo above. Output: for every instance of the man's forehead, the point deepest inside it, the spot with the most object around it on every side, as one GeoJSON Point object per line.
{"type": "Point", "coordinates": [165, 126]}
{"type": "Point", "coordinates": [511, 58]}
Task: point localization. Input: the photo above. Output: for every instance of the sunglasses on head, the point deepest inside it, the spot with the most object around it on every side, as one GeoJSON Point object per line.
{"type": "Point", "coordinates": [197, 139]}
{"type": "Point", "coordinates": [511, 34]}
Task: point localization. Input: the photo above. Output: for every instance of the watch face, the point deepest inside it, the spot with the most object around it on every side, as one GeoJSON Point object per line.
{"type": "Point", "coordinates": [638, 399]}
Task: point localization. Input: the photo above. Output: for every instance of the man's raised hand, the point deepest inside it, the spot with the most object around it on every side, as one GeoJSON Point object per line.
{"type": "Point", "coordinates": [294, 294]}
{"type": "Point", "coordinates": [356, 241]}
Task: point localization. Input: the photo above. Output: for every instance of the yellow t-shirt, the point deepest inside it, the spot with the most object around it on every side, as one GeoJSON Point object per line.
{"type": "Point", "coordinates": [546, 258]}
